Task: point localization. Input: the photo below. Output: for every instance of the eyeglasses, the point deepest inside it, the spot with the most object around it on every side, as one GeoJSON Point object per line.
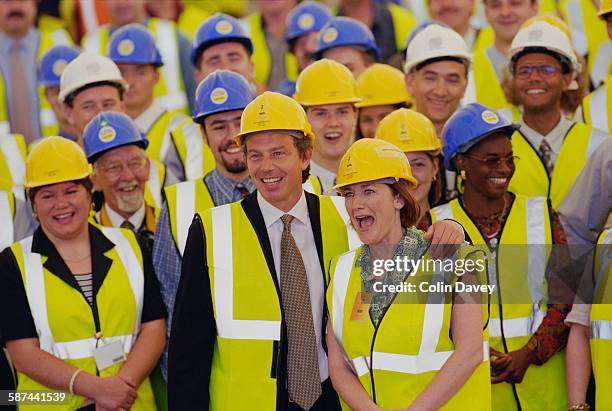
{"type": "Point", "coordinates": [115, 168]}
{"type": "Point", "coordinates": [545, 71]}
{"type": "Point", "coordinates": [495, 161]}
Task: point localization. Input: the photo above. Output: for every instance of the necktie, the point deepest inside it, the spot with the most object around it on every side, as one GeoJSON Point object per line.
{"type": "Point", "coordinates": [242, 189]}
{"type": "Point", "coordinates": [21, 109]}
{"type": "Point", "coordinates": [128, 225]}
{"type": "Point", "coordinates": [302, 359]}
{"type": "Point", "coordinates": [546, 153]}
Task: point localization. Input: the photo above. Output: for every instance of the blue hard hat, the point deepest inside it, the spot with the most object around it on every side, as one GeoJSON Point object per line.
{"type": "Point", "coordinates": [219, 28]}
{"type": "Point", "coordinates": [468, 126]}
{"type": "Point", "coordinates": [345, 31]}
{"type": "Point", "coordinates": [109, 130]}
{"type": "Point", "coordinates": [53, 63]}
{"type": "Point", "coordinates": [134, 44]}
{"type": "Point", "coordinates": [286, 87]}
{"type": "Point", "coordinates": [306, 17]}
{"type": "Point", "coordinates": [221, 90]}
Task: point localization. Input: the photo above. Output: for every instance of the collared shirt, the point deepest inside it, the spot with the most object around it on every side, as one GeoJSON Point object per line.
{"type": "Point", "coordinates": [301, 230]}
{"type": "Point", "coordinates": [498, 59]}
{"type": "Point", "coordinates": [223, 189]}
{"type": "Point", "coordinates": [470, 37]}
{"type": "Point", "coordinates": [166, 258]}
{"type": "Point", "coordinates": [328, 179]}
{"type": "Point", "coordinates": [554, 138]}
{"type": "Point", "coordinates": [29, 50]}
{"type": "Point", "coordinates": [147, 118]}
{"type": "Point", "coordinates": [116, 220]}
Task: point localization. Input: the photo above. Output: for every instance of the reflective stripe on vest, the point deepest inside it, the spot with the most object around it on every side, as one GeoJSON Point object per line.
{"type": "Point", "coordinates": [227, 327]}
{"type": "Point", "coordinates": [166, 39]}
{"type": "Point", "coordinates": [13, 157]}
{"type": "Point", "coordinates": [155, 183]}
{"type": "Point", "coordinates": [597, 108]}
{"type": "Point", "coordinates": [184, 212]}
{"type": "Point", "coordinates": [307, 186]}
{"type": "Point", "coordinates": [483, 85]}
{"type": "Point", "coordinates": [6, 217]}
{"type": "Point", "coordinates": [37, 299]}
{"type": "Point", "coordinates": [601, 65]}
{"type": "Point", "coordinates": [576, 26]}
{"type": "Point", "coordinates": [601, 330]}
{"type": "Point", "coordinates": [353, 238]}
{"type": "Point", "coordinates": [194, 150]}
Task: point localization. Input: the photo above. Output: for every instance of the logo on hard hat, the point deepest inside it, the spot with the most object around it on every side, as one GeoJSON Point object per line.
{"type": "Point", "coordinates": [125, 47]}
{"type": "Point", "coordinates": [535, 35]}
{"type": "Point", "coordinates": [403, 135]}
{"type": "Point", "coordinates": [330, 35]}
{"type": "Point", "coordinates": [59, 66]}
{"type": "Point", "coordinates": [218, 95]}
{"type": "Point", "coordinates": [106, 133]}
{"type": "Point", "coordinates": [489, 117]}
{"type": "Point", "coordinates": [306, 21]}
{"type": "Point", "coordinates": [435, 43]}
{"type": "Point", "coordinates": [224, 27]}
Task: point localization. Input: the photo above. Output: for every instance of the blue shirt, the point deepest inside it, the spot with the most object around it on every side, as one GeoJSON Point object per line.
{"type": "Point", "coordinates": [166, 257]}
{"type": "Point", "coordinates": [29, 52]}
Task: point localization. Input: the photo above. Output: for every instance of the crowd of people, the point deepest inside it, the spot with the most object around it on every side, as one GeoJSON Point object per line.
{"type": "Point", "coordinates": [205, 204]}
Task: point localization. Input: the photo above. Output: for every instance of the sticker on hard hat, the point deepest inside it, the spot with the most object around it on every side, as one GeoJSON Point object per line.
{"type": "Point", "coordinates": [306, 21]}
{"type": "Point", "coordinates": [126, 47]}
{"type": "Point", "coordinates": [330, 35]}
{"type": "Point", "coordinates": [223, 27]}
{"type": "Point", "coordinates": [107, 134]}
{"type": "Point", "coordinates": [218, 95]}
{"type": "Point", "coordinates": [59, 66]}
{"type": "Point", "coordinates": [489, 117]}
{"type": "Point", "coordinates": [403, 135]}
{"type": "Point", "coordinates": [435, 43]}
{"type": "Point", "coordinates": [535, 35]}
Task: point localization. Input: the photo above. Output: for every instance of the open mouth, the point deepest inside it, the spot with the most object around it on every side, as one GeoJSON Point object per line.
{"type": "Point", "coordinates": [498, 181]}
{"type": "Point", "coordinates": [535, 91]}
{"type": "Point", "coordinates": [63, 218]}
{"type": "Point", "coordinates": [234, 149]}
{"type": "Point", "coordinates": [127, 188]}
{"type": "Point", "coordinates": [332, 137]}
{"type": "Point", "coordinates": [364, 221]}
{"type": "Point", "coordinates": [271, 181]}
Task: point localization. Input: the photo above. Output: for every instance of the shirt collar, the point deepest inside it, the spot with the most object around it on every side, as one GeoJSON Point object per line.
{"type": "Point", "coordinates": [116, 220]}
{"type": "Point", "coordinates": [29, 39]}
{"type": "Point", "coordinates": [272, 214]}
{"type": "Point", "coordinates": [147, 118]}
{"type": "Point", "coordinates": [554, 138]}
{"type": "Point", "coordinates": [219, 177]}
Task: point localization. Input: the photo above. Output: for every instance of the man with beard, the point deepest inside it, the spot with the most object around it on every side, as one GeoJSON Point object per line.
{"type": "Point", "coordinates": [220, 99]}
{"type": "Point", "coordinates": [553, 149]}
{"type": "Point", "coordinates": [115, 147]}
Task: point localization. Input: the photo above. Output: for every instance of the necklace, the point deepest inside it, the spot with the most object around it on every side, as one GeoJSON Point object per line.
{"type": "Point", "coordinates": [490, 225]}
{"type": "Point", "coordinates": [77, 260]}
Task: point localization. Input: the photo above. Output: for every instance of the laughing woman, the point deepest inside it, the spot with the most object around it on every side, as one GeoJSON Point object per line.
{"type": "Point", "coordinates": [526, 331]}
{"type": "Point", "coordinates": [420, 351]}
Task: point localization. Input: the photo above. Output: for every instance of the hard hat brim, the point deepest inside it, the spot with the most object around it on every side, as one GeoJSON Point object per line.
{"type": "Point", "coordinates": [412, 182]}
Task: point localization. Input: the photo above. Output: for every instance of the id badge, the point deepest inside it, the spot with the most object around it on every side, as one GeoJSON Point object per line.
{"type": "Point", "coordinates": [108, 355]}
{"type": "Point", "coordinates": [360, 309]}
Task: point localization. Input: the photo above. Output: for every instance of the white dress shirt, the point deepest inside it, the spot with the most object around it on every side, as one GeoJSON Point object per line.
{"type": "Point", "coordinates": [554, 138]}
{"type": "Point", "coordinates": [304, 238]}
{"type": "Point", "coordinates": [116, 220]}
{"type": "Point", "coordinates": [327, 177]}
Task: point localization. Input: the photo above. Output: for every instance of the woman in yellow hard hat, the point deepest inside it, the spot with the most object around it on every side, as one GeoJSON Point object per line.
{"type": "Point", "coordinates": [415, 135]}
{"type": "Point", "coordinates": [81, 303]}
{"type": "Point", "coordinates": [382, 90]}
{"type": "Point", "coordinates": [398, 335]}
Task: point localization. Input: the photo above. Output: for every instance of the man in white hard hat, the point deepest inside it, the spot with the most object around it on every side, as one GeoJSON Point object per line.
{"type": "Point", "coordinates": [553, 149]}
{"type": "Point", "coordinates": [506, 18]}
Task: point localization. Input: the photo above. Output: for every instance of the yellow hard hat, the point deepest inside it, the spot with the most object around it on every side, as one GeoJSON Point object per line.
{"type": "Point", "coordinates": [371, 159]}
{"type": "Point", "coordinates": [380, 85]}
{"type": "Point", "coordinates": [550, 19]}
{"type": "Point", "coordinates": [605, 7]}
{"type": "Point", "coordinates": [409, 131]}
{"type": "Point", "coordinates": [325, 82]}
{"type": "Point", "coordinates": [55, 160]}
{"type": "Point", "coordinates": [273, 111]}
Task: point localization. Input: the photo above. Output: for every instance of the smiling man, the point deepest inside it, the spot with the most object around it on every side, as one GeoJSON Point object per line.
{"type": "Point", "coordinates": [328, 91]}
{"type": "Point", "coordinates": [553, 149]}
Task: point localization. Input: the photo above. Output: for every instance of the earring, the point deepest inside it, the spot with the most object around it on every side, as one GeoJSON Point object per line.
{"type": "Point", "coordinates": [435, 178]}
{"type": "Point", "coordinates": [463, 176]}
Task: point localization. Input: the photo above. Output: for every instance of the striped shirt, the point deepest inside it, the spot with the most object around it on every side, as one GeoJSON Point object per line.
{"type": "Point", "coordinates": [85, 282]}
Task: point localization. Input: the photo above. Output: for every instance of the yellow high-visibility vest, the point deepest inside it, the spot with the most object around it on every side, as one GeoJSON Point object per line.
{"type": "Point", "coordinates": [399, 358]}
{"type": "Point", "coordinates": [246, 304]}
{"type": "Point", "coordinates": [518, 268]}
{"type": "Point", "coordinates": [531, 178]}
{"type": "Point", "coordinates": [601, 321]}
{"type": "Point", "coordinates": [13, 153]}
{"type": "Point", "coordinates": [170, 89]}
{"type": "Point", "coordinates": [596, 107]}
{"type": "Point", "coordinates": [63, 316]}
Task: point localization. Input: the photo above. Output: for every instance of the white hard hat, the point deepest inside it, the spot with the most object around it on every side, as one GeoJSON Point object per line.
{"type": "Point", "coordinates": [544, 36]}
{"type": "Point", "coordinates": [86, 69]}
{"type": "Point", "coordinates": [433, 42]}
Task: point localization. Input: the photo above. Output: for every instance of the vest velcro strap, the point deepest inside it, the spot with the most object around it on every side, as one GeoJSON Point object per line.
{"type": "Point", "coordinates": [517, 327]}
{"type": "Point", "coordinates": [79, 349]}
{"type": "Point", "coordinates": [601, 330]}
